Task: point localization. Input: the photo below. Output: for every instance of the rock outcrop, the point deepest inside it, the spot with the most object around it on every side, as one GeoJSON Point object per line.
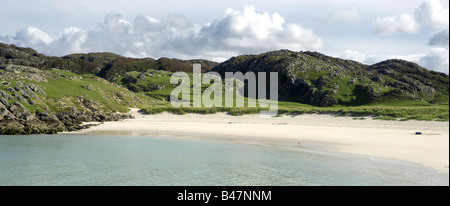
{"type": "Point", "coordinates": [17, 120]}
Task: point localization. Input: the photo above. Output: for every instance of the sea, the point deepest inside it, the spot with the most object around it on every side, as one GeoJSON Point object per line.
{"type": "Point", "coordinates": [80, 159]}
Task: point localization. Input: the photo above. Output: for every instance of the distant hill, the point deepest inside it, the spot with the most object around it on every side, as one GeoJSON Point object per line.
{"type": "Point", "coordinates": [106, 65]}
{"type": "Point", "coordinates": [316, 79]}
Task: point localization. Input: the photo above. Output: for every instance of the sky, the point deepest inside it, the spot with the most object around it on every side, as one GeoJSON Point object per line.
{"type": "Point", "coordinates": [367, 31]}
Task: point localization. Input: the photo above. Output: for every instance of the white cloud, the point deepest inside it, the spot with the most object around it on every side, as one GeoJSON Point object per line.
{"type": "Point", "coordinates": [354, 55]}
{"type": "Point", "coordinates": [375, 58]}
{"type": "Point", "coordinates": [33, 35]}
{"type": "Point", "coordinates": [401, 23]}
{"type": "Point", "coordinates": [247, 30]}
{"type": "Point", "coordinates": [114, 24]}
{"type": "Point", "coordinates": [436, 59]}
{"type": "Point", "coordinates": [147, 24]}
{"type": "Point", "coordinates": [235, 32]}
{"type": "Point", "coordinates": [440, 39]}
{"type": "Point", "coordinates": [179, 22]}
{"type": "Point", "coordinates": [431, 14]}
{"type": "Point", "coordinates": [71, 40]}
{"type": "Point", "coordinates": [342, 15]}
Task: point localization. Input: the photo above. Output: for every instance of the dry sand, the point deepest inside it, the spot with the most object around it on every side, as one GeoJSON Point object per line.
{"type": "Point", "coordinates": [314, 133]}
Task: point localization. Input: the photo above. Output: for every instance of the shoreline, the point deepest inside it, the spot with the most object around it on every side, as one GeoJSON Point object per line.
{"type": "Point", "coordinates": [307, 132]}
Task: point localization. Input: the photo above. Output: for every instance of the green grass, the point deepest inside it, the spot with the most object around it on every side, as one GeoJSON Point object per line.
{"type": "Point", "coordinates": [425, 113]}
{"type": "Point", "coordinates": [106, 96]}
{"type": "Point", "coordinates": [384, 109]}
{"type": "Point", "coordinates": [152, 79]}
{"type": "Point", "coordinates": [65, 92]}
{"type": "Point", "coordinates": [388, 118]}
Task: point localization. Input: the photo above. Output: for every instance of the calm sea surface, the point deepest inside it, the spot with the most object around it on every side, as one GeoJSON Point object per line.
{"type": "Point", "coordinates": [130, 160]}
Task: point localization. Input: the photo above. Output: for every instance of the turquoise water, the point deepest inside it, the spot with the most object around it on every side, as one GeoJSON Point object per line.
{"type": "Point", "coordinates": [130, 160]}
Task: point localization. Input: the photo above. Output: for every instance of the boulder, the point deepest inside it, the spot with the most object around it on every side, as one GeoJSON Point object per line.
{"type": "Point", "coordinates": [29, 92]}
{"type": "Point", "coordinates": [4, 102]}
{"type": "Point", "coordinates": [5, 114]}
{"type": "Point", "coordinates": [19, 110]}
{"type": "Point", "coordinates": [129, 80]}
{"type": "Point", "coordinates": [11, 127]}
{"type": "Point", "coordinates": [5, 95]}
{"type": "Point", "coordinates": [46, 117]}
{"type": "Point", "coordinates": [20, 98]}
{"type": "Point", "coordinates": [88, 87]}
{"type": "Point", "coordinates": [19, 69]}
{"type": "Point", "coordinates": [35, 78]}
{"type": "Point", "coordinates": [38, 127]}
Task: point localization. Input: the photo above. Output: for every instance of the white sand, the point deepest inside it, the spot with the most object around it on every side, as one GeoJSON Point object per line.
{"type": "Point", "coordinates": [317, 133]}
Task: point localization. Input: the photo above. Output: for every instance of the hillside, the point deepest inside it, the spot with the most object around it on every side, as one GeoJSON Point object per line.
{"type": "Point", "coordinates": [34, 101]}
{"type": "Point", "coordinates": [106, 65]}
{"type": "Point", "coordinates": [316, 79]}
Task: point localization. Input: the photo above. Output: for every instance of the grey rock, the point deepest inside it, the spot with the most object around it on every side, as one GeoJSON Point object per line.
{"type": "Point", "coordinates": [35, 88]}
{"type": "Point", "coordinates": [52, 121]}
{"type": "Point", "coordinates": [36, 78]}
{"type": "Point", "coordinates": [377, 79]}
{"type": "Point", "coordinates": [26, 96]}
{"type": "Point", "coordinates": [19, 110]}
{"type": "Point", "coordinates": [13, 127]}
{"type": "Point", "coordinates": [20, 69]}
{"type": "Point", "coordinates": [10, 89]}
{"type": "Point", "coordinates": [5, 95]}
{"type": "Point", "coordinates": [88, 87]}
{"type": "Point", "coordinates": [20, 98]}
{"type": "Point", "coordinates": [142, 76]}
{"type": "Point", "coordinates": [18, 89]}
{"type": "Point", "coordinates": [4, 102]}
{"type": "Point", "coordinates": [129, 80]}
{"type": "Point", "coordinates": [5, 113]}
{"type": "Point", "coordinates": [29, 92]}
{"type": "Point", "coordinates": [156, 87]}
{"type": "Point", "coordinates": [29, 117]}
{"type": "Point", "coordinates": [46, 117]}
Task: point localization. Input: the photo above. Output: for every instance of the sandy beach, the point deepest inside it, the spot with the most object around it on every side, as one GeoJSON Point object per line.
{"type": "Point", "coordinates": [310, 132]}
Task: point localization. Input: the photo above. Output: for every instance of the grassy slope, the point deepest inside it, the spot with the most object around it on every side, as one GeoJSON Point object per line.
{"type": "Point", "coordinates": [386, 112]}
{"type": "Point", "coordinates": [65, 90]}
{"type": "Point", "coordinates": [387, 109]}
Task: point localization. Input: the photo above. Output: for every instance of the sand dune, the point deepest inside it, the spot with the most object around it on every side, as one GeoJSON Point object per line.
{"type": "Point", "coordinates": [314, 133]}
